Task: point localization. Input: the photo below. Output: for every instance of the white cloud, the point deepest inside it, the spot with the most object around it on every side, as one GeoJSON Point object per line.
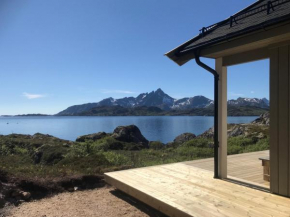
{"type": "Point", "coordinates": [252, 91]}
{"type": "Point", "coordinates": [117, 91]}
{"type": "Point", "coordinates": [236, 94]}
{"type": "Point", "coordinates": [33, 96]}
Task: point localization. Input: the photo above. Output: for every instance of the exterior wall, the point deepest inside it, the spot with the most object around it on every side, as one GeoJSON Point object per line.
{"type": "Point", "coordinates": [280, 120]}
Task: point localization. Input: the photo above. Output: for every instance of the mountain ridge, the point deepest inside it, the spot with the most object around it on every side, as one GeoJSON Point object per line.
{"type": "Point", "coordinates": [163, 101]}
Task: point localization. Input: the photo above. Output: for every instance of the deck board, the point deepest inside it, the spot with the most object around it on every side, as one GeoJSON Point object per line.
{"type": "Point", "coordinates": [188, 189]}
{"type": "Point", "coordinates": [245, 167]}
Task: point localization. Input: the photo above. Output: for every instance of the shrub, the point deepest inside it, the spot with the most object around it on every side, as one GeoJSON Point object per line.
{"type": "Point", "coordinates": [198, 142]}
{"type": "Point", "coordinates": [156, 145]}
{"type": "Point", "coordinates": [50, 154]}
{"type": "Point", "coordinates": [191, 153]}
{"type": "Point", "coordinates": [261, 145]}
{"type": "Point", "coordinates": [85, 165]}
{"type": "Point", "coordinates": [116, 159]}
{"type": "Point", "coordinates": [239, 141]}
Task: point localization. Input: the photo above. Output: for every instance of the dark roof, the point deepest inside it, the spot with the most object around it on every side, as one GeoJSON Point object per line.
{"type": "Point", "coordinates": [258, 15]}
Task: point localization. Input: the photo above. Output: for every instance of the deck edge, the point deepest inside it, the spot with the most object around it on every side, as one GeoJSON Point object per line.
{"type": "Point", "coordinates": [145, 198]}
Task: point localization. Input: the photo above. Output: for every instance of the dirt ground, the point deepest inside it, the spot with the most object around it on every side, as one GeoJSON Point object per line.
{"type": "Point", "coordinates": [103, 202]}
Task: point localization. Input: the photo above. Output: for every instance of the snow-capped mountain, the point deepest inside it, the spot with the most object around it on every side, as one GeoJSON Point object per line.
{"type": "Point", "coordinates": [192, 102]}
{"type": "Point", "coordinates": [261, 103]}
{"type": "Point", "coordinates": [163, 101]}
{"type": "Point", "coordinates": [155, 99]}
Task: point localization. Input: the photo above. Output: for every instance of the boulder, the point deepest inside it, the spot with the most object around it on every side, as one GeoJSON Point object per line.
{"type": "Point", "coordinates": [25, 195]}
{"type": "Point", "coordinates": [207, 134]}
{"type": "Point", "coordinates": [233, 131]}
{"type": "Point", "coordinates": [264, 119]}
{"type": "Point", "coordinates": [92, 137]}
{"type": "Point", "coordinates": [184, 138]}
{"type": "Point", "coordinates": [130, 134]}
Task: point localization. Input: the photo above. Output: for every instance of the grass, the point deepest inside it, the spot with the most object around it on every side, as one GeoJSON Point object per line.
{"type": "Point", "coordinates": [49, 157]}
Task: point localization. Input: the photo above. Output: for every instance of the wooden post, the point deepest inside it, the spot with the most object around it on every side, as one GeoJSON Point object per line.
{"type": "Point", "coordinates": [274, 125]}
{"type": "Point", "coordinates": [222, 71]}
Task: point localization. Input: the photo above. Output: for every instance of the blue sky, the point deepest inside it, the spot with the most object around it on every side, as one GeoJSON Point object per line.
{"type": "Point", "coordinates": [58, 53]}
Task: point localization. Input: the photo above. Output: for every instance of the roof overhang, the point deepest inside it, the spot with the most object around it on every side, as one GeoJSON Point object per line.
{"type": "Point", "coordinates": [255, 38]}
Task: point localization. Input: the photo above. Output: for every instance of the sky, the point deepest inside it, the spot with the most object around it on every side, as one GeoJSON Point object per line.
{"type": "Point", "coordinates": [58, 53]}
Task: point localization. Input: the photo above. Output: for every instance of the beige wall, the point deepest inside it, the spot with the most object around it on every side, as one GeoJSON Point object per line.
{"type": "Point", "coordinates": [280, 119]}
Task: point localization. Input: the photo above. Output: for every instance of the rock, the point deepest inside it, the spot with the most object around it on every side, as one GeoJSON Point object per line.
{"type": "Point", "coordinates": [233, 131]}
{"type": "Point", "coordinates": [25, 195]}
{"type": "Point", "coordinates": [130, 134]}
{"type": "Point", "coordinates": [41, 136]}
{"type": "Point", "coordinates": [236, 131]}
{"type": "Point", "coordinates": [70, 189]}
{"type": "Point", "coordinates": [207, 134]}
{"type": "Point", "coordinates": [261, 136]}
{"type": "Point", "coordinates": [15, 194]}
{"type": "Point", "coordinates": [92, 137]}
{"type": "Point", "coordinates": [66, 145]}
{"type": "Point", "coordinates": [184, 138]}
{"type": "Point", "coordinates": [37, 157]}
{"type": "Point", "coordinates": [263, 119]}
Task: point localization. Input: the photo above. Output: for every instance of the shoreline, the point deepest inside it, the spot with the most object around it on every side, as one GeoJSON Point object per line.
{"type": "Point", "coordinates": [49, 125]}
{"type": "Point", "coordinates": [11, 116]}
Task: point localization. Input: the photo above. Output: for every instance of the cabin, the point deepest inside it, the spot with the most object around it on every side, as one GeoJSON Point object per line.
{"type": "Point", "coordinates": [206, 187]}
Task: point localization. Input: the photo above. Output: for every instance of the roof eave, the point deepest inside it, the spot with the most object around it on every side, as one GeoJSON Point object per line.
{"type": "Point", "coordinates": [173, 54]}
{"type": "Point", "coordinates": [178, 60]}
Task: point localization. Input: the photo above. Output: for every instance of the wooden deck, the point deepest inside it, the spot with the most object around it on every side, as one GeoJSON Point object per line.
{"type": "Point", "coordinates": [241, 167]}
{"type": "Point", "coordinates": [188, 189]}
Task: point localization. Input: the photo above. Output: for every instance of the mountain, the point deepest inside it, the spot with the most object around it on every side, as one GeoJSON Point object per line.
{"type": "Point", "coordinates": [24, 115]}
{"type": "Point", "coordinates": [121, 111]}
{"type": "Point", "coordinates": [155, 99]}
{"type": "Point", "coordinates": [192, 102]}
{"type": "Point", "coordinates": [254, 102]}
{"type": "Point", "coordinates": [77, 109]}
{"type": "Point", "coordinates": [154, 111]}
{"type": "Point", "coordinates": [266, 101]}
